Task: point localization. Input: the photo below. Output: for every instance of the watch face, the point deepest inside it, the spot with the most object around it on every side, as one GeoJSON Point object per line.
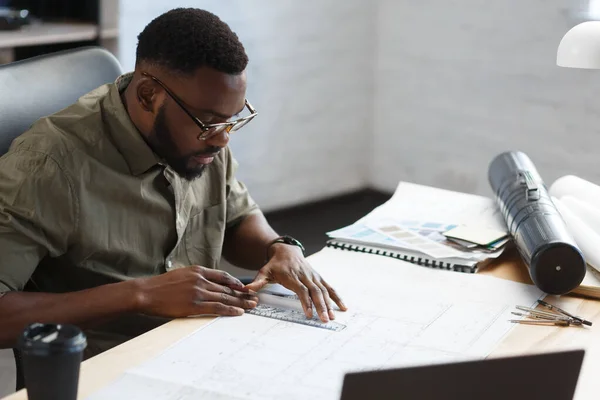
{"type": "Point", "coordinates": [292, 241]}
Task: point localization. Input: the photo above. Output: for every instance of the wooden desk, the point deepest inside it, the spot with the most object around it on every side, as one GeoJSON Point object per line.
{"type": "Point", "coordinates": [98, 371]}
{"type": "Point", "coordinates": [525, 339]}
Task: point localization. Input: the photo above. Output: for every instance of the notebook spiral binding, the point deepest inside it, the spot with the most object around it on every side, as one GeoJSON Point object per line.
{"type": "Point", "coordinates": [405, 257]}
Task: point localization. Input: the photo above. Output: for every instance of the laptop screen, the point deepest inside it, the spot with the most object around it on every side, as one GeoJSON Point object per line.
{"type": "Point", "coordinates": [549, 376]}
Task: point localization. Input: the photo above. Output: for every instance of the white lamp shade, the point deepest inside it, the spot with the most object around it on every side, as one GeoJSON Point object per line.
{"type": "Point", "coordinates": [580, 47]}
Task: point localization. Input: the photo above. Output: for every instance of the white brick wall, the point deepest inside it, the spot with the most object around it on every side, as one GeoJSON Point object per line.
{"type": "Point", "coordinates": [458, 81]}
{"type": "Point", "coordinates": [361, 92]}
{"type": "Point", "coordinates": [310, 78]}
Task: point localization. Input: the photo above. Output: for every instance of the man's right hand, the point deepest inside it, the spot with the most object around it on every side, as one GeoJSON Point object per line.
{"type": "Point", "coordinates": [179, 293]}
{"type": "Point", "coordinates": [194, 290]}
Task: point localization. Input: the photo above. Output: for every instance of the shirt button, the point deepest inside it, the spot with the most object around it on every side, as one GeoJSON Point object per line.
{"type": "Point", "coordinates": [169, 265]}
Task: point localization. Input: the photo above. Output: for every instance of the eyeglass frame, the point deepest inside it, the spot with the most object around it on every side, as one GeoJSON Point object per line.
{"type": "Point", "coordinates": [204, 128]}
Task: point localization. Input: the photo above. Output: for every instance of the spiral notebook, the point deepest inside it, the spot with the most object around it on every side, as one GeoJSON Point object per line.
{"type": "Point", "coordinates": [459, 265]}
{"type": "Point", "coordinates": [423, 203]}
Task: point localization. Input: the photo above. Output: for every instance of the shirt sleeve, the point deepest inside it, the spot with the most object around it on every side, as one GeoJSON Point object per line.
{"type": "Point", "coordinates": [38, 214]}
{"type": "Point", "coordinates": [239, 202]}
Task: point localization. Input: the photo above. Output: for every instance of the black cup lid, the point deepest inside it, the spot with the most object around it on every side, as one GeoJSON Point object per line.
{"type": "Point", "coordinates": [53, 338]}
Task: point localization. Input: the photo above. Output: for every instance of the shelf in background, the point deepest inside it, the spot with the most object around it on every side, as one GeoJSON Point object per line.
{"type": "Point", "coordinates": [47, 33]}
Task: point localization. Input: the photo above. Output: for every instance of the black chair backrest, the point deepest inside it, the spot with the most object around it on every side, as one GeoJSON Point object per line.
{"type": "Point", "coordinates": [40, 86]}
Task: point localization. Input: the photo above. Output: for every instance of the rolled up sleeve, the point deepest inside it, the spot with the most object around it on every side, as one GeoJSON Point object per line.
{"type": "Point", "coordinates": [38, 215]}
{"type": "Point", "coordinates": [239, 202]}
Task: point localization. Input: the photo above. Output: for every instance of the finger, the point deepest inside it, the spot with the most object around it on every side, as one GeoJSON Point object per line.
{"type": "Point", "coordinates": [326, 297]}
{"type": "Point", "coordinates": [222, 277]}
{"type": "Point", "coordinates": [304, 296]}
{"type": "Point", "coordinates": [217, 308]}
{"type": "Point", "coordinates": [316, 296]}
{"type": "Point", "coordinates": [227, 299]}
{"type": "Point", "coordinates": [335, 296]}
{"type": "Point", "coordinates": [260, 281]}
{"type": "Point", "coordinates": [220, 289]}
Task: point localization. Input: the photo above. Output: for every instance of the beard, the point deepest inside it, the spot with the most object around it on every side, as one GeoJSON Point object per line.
{"type": "Point", "coordinates": [162, 142]}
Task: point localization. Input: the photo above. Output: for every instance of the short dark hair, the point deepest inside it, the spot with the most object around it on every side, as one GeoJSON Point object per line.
{"type": "Point", "coordinates": [185, 39]}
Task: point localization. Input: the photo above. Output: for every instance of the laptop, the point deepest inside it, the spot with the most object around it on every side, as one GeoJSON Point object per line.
{"type": "Point", "coordinates": [549, 376]}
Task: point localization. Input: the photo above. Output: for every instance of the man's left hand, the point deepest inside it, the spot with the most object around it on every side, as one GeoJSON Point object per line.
{"type": "Point", "coordinates": [289, 268]}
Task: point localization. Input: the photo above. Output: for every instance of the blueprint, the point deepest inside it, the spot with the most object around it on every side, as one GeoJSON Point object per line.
{"type": "Point", "coordinates": [399, 315]}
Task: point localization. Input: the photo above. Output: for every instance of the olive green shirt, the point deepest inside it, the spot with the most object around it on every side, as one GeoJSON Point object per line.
{"type": "Point", "coordinates": [84, 201]}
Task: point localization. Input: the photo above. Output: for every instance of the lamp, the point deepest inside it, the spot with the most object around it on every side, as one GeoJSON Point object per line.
{"type": "Point", "coordinates": [580, 47]}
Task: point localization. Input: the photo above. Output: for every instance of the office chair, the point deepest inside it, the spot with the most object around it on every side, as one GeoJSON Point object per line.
{"type": "Point", "coordinates": [43, 85]}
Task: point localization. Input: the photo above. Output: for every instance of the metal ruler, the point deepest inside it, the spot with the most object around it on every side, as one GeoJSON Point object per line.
{"type": "Point", "coordinates": [297, 317]}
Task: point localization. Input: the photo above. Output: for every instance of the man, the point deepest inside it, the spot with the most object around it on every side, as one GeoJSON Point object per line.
{"type": "Point", "coordinates": [123, 203]}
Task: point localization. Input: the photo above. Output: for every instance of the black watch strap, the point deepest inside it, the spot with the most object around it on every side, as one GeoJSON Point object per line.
{"type": "Point", "coordinates": [285, 239]}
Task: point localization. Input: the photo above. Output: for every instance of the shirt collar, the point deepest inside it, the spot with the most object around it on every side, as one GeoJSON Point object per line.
{"type": "Point", "coordinates": [129, 141]}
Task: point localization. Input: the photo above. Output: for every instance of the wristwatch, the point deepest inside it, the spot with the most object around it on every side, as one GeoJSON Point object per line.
{"type": "Point", "coordinates": [285, 239]}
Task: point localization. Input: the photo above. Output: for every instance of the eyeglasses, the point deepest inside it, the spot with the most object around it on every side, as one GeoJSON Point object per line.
{"type": "Point", "coordinates": [208, 130]}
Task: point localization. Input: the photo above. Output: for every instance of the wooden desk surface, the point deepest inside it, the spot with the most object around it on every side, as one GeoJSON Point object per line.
{"type": "Point", "coordinates": [98, 371]}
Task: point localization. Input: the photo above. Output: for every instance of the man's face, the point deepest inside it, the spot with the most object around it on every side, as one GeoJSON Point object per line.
{"type": "Point", "coordinates": [212, 97]}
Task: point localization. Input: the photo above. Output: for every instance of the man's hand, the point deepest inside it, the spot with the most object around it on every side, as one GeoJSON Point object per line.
{"type": "Point", "coordinates": [289, 268]}
{"type": "Point", "coordinates": [194, 291]}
